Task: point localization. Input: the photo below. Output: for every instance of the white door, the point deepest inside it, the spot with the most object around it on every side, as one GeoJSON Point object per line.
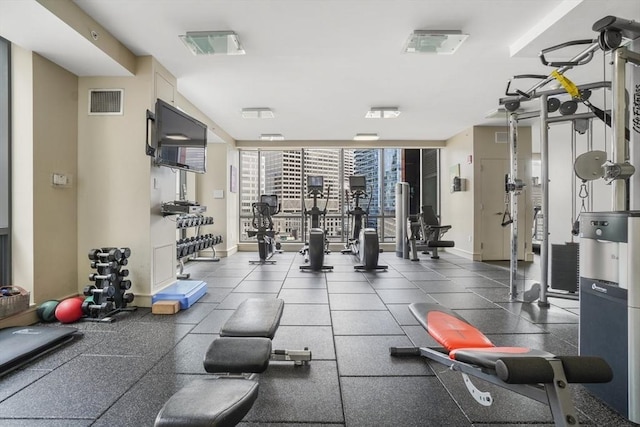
{"type": "Point", "coordinates": [495, 239]}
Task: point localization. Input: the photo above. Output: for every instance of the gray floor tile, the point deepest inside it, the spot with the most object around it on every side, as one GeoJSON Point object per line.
{"type": "Point", "coordinates": [352, 276]}
{"type": "Point", "coordinates": [566, 332]}
{"type": "Point", "coordinates": [259, 286]}
{"type": "Point", "coordinates": [566, 303]}
{"type": "Point", "coordinates": [369, 356]}
{"type": "Point", "coordinates": [318, 339]}
{"type": "Point", "coordinates": [186, 357]}
{"type": "Point", "coordinates": [364, 323]}
{"type": "Point", "coordinates": [462, 300]}
{"type": "Point", "coordinates": [213, 322]}
{"type": "Point", "coordinates": [402, 314]}
{"type": "Point", "coordinates": [499, 321]}
{"type": "Point", "coordinates": [424, 275]}
{"type": "Point", "coordinates": [399, 401]}
{"type": "Point", "coordinates": [392, 283]}
{"type": "Point", "coordinates": [17, 380]}
{"type": "Point", "coordinates": [222, 282]}
{"type": "Point", "coordinates": [419, 336]}
{"type": "Point", "coordinates": [459, 272]}
{"type": "Point", "coordinates": [497, 295]}
{"type": "Point", "coordinates": [30, 422]}
{"type": "Point", "coordinates": [147, 397]}
{"type": "Point", "coordinates": [306, 315]}
{"type": "Point", "coordinates": [478, 282]}
{"type": "Point", "coordinates": [267, 275]}
{"type": "Point", "coordinates": [215, 294]}
{"type": "Point", "coordinates": [304, 296]}
{"type": "Point", "coordinates": [304, 394]}
{"type": "Point", "coordinates": [536, 314]}
{"type": "Point", "coordinates": [350, 288]}
{"type": "Point", "coordinates": [543, 341]}
{"type": "Point", "coordinates": [372, 276]}
{"type": "Point", "coordinates": [313, 282]}
{"type": "Point", "coordinates": [148, 340]}
{"type": "Point", "coordinates": [233, 300]}
{"type": "Point", "coordinates": [403, 296]}
{"type": "Point", "coordinates": [507, 407]}
{"type": "Point", "coordinates": [355, 302]}
{"type": "Point", "coordinates": [52, 397]}
{"type": "Point", "coordinates": [436, 286]}
{"type": "Point", "coordinates": [142, 352]}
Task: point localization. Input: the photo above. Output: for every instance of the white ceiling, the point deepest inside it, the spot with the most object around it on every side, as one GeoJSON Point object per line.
{"type": "Point", "coordinates": [320, 64]}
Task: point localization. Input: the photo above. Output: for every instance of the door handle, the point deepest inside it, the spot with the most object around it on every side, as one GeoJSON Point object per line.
{"type": "Point", "coordinates": [499, 213]}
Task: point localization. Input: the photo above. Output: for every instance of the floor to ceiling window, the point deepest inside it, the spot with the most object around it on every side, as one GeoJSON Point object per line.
{"type": "Point", "coordinates": [5, 165]}
{"type": "Point", "coordinates": [284, 173]}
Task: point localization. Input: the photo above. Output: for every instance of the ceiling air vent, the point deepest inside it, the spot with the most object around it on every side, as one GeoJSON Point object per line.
{"type": "Point", "coordinates": [502, 137]}
{"type": "Point", "coordinates": [105, 102]}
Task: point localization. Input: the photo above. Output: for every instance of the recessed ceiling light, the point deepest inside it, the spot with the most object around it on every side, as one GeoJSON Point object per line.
{"type": "Point", "coordinates": [213, 42]}
{"type": "Point", "coordinates": [257, 113]}
{"type": "Point", "coordinates": [271, 137]}
{"type": "Point", "coordinates": [383, 113]}
{"type": "Point", "coordinates": [442, 42]}
{"type": "Point", "coordinates": [177, 137]}
{"type": "Point", "coordinates": [366, 137]}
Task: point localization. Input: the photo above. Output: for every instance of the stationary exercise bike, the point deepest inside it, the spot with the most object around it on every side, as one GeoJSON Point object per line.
{"type": "Point", "coordinates": [317, 245]}
{"type": "Point", "coordinates": [363, 242]}
{"type": "Point", "coordinates": [263, 228]}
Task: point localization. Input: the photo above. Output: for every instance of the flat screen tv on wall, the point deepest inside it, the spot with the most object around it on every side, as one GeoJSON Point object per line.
{"type": "Point", "coordinates": [181, 140]}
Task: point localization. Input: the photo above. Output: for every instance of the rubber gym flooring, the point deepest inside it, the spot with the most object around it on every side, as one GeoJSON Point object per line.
{"type": "Point", "coordinates": [120, 374]}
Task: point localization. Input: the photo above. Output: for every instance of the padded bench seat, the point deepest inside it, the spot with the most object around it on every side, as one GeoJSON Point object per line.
{"type": "Point", "coordinates": [209, 402]}
{"type": "Point", "coordinates": [254, 317]}
{"type": "Point", "coordinates": [238, 355]}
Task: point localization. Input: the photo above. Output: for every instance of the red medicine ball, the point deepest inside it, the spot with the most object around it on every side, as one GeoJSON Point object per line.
{"type": "Point", "coordinates": [69, 310]}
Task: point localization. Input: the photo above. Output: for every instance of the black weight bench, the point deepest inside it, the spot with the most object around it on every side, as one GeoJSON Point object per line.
{"type": "Point", "coordinates": [425, 233]}
{"type": "Point", "coordinates": [242, 351]}
{"type": "Point", "coordinates": [536, 374]}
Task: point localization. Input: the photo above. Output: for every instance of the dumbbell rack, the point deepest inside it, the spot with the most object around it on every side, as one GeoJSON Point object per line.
{"type": "Point", "coordinates": [187, 248]}
{"type": "Point", "coordinates": [108, 295]}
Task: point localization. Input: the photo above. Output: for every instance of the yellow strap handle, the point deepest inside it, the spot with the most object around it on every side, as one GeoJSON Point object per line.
{"type": "Point", "coordinates": [567, 84]}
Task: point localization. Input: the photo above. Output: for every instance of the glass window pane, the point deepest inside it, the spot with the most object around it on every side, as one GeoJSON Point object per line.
{"type": "Point", "coordinates": [249, 190]}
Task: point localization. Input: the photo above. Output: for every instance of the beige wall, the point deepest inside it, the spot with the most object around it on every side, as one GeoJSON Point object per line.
{"type": "Point", "coordinates": [462, 209]}
{"type": "Point", "coordinates": [44, 123]}
{"type": "Point", "coordinates": [485, 147]}
{"type": "Point", "coordinates": [55, 136]}
{"type": "Point", "coordinates": [22, 244]}
{"type": "Point", "coordinates": [457, 208]}
{"type": "Point", "coordinates": [121, 192]}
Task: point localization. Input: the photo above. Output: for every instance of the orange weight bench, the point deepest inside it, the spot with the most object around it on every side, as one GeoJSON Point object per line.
{"type": "Point", "coordinates": [536, 374]}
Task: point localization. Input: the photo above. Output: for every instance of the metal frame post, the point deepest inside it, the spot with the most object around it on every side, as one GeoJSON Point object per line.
{"type": "Point", "coordinates": [544, 181]}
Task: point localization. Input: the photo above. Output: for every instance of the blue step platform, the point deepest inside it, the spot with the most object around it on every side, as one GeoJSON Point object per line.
{"type": "Point", "coordinates": [185, 291]}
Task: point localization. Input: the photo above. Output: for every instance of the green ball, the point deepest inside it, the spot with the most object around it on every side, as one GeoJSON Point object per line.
{"type": "Point", "coordinates": [47, 311]}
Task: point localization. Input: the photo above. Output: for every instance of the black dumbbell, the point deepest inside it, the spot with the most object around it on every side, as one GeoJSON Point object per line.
{"type": "Point", "coordinates": [128, 297]}
{"type": "Point", "coordinates": [97, 264]}
{"type": "Point", "coordinates": [125, 285]}
{"type": "Point", "coordinates": [123, 273]}
{"type": "Point", "coordinates": [113, 254]}
{"type": "Point", "coordinates": [124, 261]}
{"type": "Point", "coordinates": [110, 277]}
{"type": "Point", "coordinates": [91, 289]}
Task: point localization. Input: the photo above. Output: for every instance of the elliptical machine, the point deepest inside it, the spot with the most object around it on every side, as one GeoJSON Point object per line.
{"type": "Point", "coordinates": [363, 242]}
{"type": "Point", "coordinates": [263, 225]}
{"type": "Point", "coordinates": [317, 245]}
